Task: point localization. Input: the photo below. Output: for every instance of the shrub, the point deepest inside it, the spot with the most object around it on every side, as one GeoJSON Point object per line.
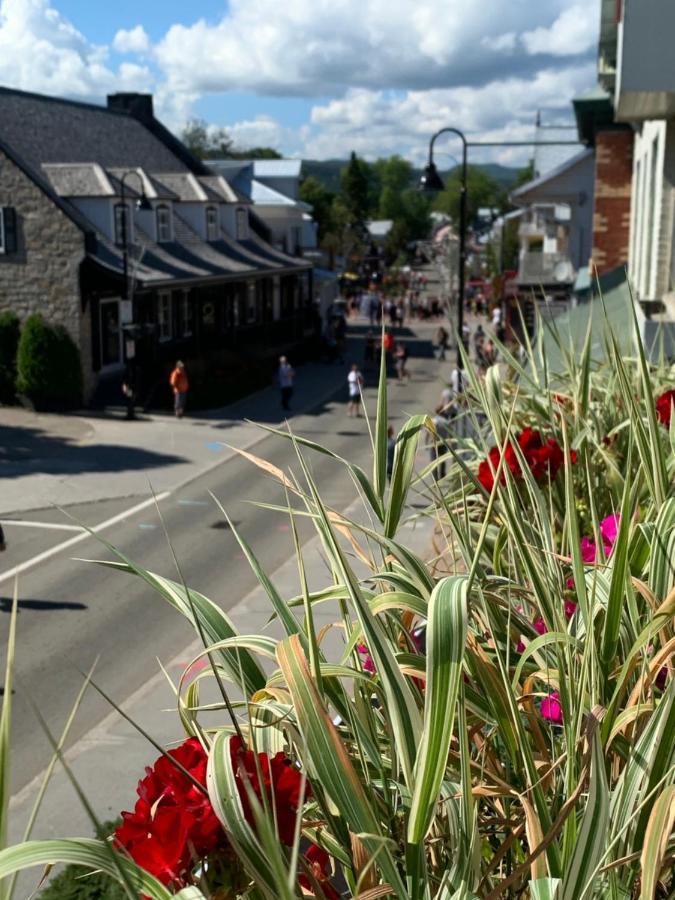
{"type": "Point", "coordinates": [9, 342]}
{"type": "Point", "coordinates": [49, 373]}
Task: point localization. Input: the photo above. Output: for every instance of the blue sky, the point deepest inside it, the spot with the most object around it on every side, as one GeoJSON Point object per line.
{"type": "Point", "coordinates": [316, 78]}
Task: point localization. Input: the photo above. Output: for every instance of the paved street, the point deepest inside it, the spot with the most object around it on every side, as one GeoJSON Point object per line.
{"type": "Point", "coordinates": [72, 612]}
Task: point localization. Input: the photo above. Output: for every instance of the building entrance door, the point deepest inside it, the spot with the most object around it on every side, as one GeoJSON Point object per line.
{"type": "Point", "coordinates": [111, 333]}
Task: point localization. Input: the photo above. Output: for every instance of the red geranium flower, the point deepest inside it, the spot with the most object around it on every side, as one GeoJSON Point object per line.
{"type": "Point", "coordinates": [173, 824]}
{"type": "Point", "coordinates": [664, 407]}
{"type": "Point", "coordinates": [282, 783]}
{"type": "Point", "coordinates": [319, 863]}
{"type": "Point", "coordinates": [543, 458]}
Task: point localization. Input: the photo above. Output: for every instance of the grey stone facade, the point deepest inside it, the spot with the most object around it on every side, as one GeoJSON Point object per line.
{"type": "Point", "coordinates": [43, 275]}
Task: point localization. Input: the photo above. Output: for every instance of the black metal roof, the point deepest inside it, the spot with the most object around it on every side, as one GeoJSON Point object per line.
{"type": "Point", "coordinates": [52, 130]}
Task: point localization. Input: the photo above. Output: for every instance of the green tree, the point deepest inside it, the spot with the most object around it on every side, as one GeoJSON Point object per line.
{"type": "Point", "coordinates": [204, 143]}
{"type": "Point", "coordinates": [395, 176]}
{"type": "Point", "coordinates": [48, 366]}
{"type": "Point", "coordinates": [9, 342]}
{"type": "Point", "coordinates": [525, 174]}
{"type": "Point", "coordinates": [482, 191]}
{"type": "Point", "coordinates": [321, 201]}
{"type": "Point", "coordinates": [215, 143]}
{"type": "Point", "coordinates": [355, 182]}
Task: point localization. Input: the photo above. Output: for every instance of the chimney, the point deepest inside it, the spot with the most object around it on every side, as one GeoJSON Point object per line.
{"type": "Point", "coordinates": [137, 105]}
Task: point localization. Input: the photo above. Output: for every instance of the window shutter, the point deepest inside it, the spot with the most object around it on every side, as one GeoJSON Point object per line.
{"type": "Point", "coordinates": [9, 223]}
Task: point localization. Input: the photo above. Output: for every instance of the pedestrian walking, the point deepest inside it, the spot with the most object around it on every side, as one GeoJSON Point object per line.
{"type": "Point", "coordinates": [401, 358]}
{"type": "Point", "coordinates": [129, 398]}
{"type": "Point", "coordinates": [180, 386]}
{"type": "Point", "coordinates": [437, 442]}
{"type": "Point", "coordinates": [479, 345]}
{"type": "Point", "coordinates": [285, 377]}
{"type": "Point", "coordinates": [354, 385]}
{"type": "Point", "coordinates": [441, 341]}
{"type": "Point", "coordinates": [3, 545]}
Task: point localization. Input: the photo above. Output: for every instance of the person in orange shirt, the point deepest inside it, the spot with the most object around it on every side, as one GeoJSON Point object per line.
{"type": "Point", "coordinates": [180, 385]}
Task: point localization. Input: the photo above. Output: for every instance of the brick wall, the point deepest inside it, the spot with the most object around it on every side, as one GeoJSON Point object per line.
{"type": "Point", "coordinates": [611, 212]}
{"type": "Point", "coordinates": [43, 276]}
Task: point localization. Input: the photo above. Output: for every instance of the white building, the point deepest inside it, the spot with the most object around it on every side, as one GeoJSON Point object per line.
{"type": "Point", "coordinates": [273, 187]}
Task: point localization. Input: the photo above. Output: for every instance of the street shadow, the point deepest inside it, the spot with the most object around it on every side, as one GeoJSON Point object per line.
{"type": "Point", "coordinates": [27, 450]}
{"type": "Point", "coordinates": [39, 605]}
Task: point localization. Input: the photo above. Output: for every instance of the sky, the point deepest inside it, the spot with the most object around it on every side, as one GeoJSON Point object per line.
{"type": "Point", "coordinates": [317, 78]}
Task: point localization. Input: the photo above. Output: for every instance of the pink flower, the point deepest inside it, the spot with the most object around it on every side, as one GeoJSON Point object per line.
{"type": "Point", "coordinates": [520, 646]}
{"type": "Point", "coordinates": [609, 528]}
{"type": "Point", "coordinates": [366, 659]}
{"type": "Point", "coordinates": [551, 708]}
{"type": "Point", "coordinates": [589, 551]}
{"type": "Point", "coordinates": [539, 626]}
{"type": "Point", "coordinates": [570, 608]}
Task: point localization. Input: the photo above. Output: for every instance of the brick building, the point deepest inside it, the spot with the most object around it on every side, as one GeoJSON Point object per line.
{"type": "Point", "coordinates": [203, 281]}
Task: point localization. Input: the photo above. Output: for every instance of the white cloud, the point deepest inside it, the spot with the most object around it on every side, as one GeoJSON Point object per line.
{"type": "Point", "coordinates": [573, 32]}
{"type": "Point", "coordinates": [394, 70]}
{"type": "Point", "coordinates": [502, 43]}
{"type": "Point", "coordinates": [41, 51]}
{"type": "Point", "coordinates": [378, 123]}
{"type": "Point", "coordinates": [320, 47]}
{"type": "Point", "coordinates": [133, 41]}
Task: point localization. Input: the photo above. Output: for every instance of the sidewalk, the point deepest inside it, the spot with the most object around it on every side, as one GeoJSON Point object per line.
{"type": "Point", "coordinates": [49, 459]}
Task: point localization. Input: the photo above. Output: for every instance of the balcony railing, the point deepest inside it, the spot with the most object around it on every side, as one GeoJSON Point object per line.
{"type": "Point", "coordinates": [545, 268]}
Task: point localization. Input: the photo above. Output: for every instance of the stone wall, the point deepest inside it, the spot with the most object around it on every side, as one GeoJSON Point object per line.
{"type": "Point", "coordinates": [43, 275]}
{"type": "Point", "coordinates": [611, 212]}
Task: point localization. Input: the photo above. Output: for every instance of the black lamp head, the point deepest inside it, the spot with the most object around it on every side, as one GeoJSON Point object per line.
{"type": "Point", "coordinates": [143, 203]}
{"type": "Point", "coordinates": [430, 181]}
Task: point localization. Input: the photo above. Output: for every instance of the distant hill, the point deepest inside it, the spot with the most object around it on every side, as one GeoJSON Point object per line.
{"type": "Point", "coordinates": [327, 171]}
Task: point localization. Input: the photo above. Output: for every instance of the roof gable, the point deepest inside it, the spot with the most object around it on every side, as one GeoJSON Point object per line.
{"type": "Point", "coordinates": [50, 130]}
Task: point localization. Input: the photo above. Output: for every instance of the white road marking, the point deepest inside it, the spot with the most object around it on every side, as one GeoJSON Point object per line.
{"type": "Point", "coordinates": [26, 524]}
{"type": "Point", "coordinates": [41, 557]}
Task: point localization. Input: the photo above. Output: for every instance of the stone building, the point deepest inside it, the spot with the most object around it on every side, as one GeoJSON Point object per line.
{"type": "Point", "coordinates": [86, 188]}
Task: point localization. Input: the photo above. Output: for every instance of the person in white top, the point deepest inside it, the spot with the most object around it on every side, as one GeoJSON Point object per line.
{"type": "Point", "coordinates": [354, 383]}
{"type": "Point", "coordinates": [285, 376]}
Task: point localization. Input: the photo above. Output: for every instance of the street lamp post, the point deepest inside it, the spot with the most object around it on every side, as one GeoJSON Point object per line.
{"type": "Point", "coordinates": [127, 295]}
{"type": "Point", "coordinates": [431, 182]}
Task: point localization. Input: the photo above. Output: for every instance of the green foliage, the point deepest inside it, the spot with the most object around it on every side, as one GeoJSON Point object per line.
{"type": "Point", "coordinates": [9, 342]}
{"type": "Point", "coordinates": [482, 191]}
{"type": "Point", "coordinates": [49, 373]}
{"type": "Point", "coordinates": [321, 201]}
{"type": "Point", "coordinates": [355, 188]}
{"type": "Point", "coordinates": [215, 143]}
{"type": "Point", "coordinates": [77, 883]}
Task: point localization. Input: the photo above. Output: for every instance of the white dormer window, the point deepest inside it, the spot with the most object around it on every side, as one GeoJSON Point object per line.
{"type": "Point", "coordinates": [211, 223]}
{"type": "Point", "coordinates": [120, 237]}
{"type": "Point", "coordinates": [163, 224]}
{"type": "Point", "coordinates": [242, 224]}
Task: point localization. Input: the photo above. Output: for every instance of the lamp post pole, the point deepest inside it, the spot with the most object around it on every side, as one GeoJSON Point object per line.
{"type": "Point", "coordinates": [461, 274]}
{"type": "Point", "coordinates": [431, 181]}
{"type": "Point", "coordinates": [127, 294]}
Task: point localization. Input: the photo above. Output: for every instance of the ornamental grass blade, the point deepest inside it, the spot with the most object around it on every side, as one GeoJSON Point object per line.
{"type": "Point", "coordinates": [261, 863]}
{"type": "Point", "coordinates": [447, 627]}
{"type": "Point", "coordinates": [401, 705]}
{"type": "Point", "coordinates": [91, 854]}
{"type": "Point", "coordinates": [591, 837]}
{"type": "Point", "coordinates": [402, 472]}
{"type": "Point", "coordinates": [6, 731]}
{"type": "Point", "coordinates": [381, 427]}
{"type": "Point", "coordinates": [215, 624]}
{"type": "Point", "coordinates": [330, 760]}
{"type": "Point", "coordinates": [657, 836]}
